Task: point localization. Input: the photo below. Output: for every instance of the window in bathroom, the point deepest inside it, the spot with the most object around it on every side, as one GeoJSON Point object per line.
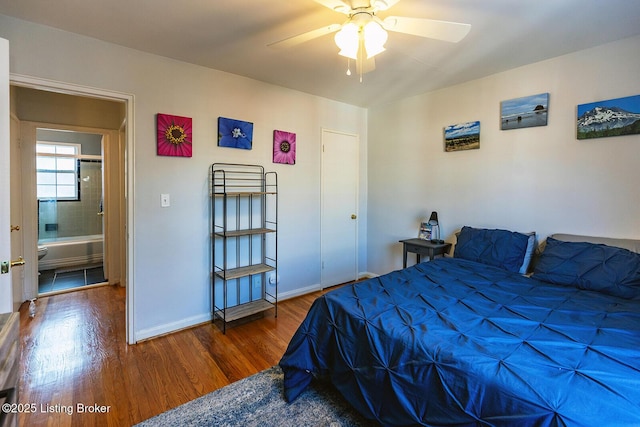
{"type": "Point", "coordinates": [57, 171]}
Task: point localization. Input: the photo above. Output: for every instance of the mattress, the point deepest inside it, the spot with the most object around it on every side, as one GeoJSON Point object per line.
{"type": "Point", "coordinates": [456, 342]}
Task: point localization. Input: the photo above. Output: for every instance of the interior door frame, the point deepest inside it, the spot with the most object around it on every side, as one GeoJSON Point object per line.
{"type": "Point", "coordinates": [323, 274]}
{"type": "Point", "coordinates": [6, 278]}
{"type": "Point", "coordinates": [17, 241]}
{"type": "Point", "coordinates": [129, 177]}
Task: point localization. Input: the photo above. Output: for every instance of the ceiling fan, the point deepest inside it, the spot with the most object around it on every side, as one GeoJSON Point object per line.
{"type": "Point", "coordinates": [363, 35]}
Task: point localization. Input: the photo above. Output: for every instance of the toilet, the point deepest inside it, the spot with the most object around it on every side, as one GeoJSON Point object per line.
{"type": "Point", "coordinates": [42, 251]}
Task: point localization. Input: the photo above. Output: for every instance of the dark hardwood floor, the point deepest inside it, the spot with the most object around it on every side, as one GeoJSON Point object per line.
{"type": "Point", "coordinates": [77, 370]}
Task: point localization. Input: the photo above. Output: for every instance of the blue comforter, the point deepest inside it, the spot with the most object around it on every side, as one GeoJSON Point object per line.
{"type": "Point", "coordinates": [454, 342]}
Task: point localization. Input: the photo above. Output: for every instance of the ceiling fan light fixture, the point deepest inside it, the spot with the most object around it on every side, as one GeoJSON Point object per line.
{"type": "Point", "coordinates": [351, 36]}
{"type": "Point", "coordinates": [374, 38]}
{"type": "Point", "coordinates": [348, 40]}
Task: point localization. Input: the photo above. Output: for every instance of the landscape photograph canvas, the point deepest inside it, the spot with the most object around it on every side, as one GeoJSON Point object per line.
{"type": "Point", "coordinates": [462, 136]}
{"type": "Point", "coordinates": [528, 111]}
{"type": "Point", "coordinates": [613, 117]}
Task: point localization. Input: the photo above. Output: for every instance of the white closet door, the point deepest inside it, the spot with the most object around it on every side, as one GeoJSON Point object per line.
{"type": "Point", "coordinates": [339, 235]}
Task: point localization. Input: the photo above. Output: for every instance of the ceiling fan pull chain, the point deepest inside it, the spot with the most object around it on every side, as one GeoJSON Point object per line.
{"type": "Point", "coordinates": [361, 57]}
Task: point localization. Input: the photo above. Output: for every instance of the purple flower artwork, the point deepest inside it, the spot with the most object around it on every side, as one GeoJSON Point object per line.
{"type": "Point", "coordinates": [174, 135]}
{"type": "Point", "coordinates": [235, 133]}
{"type": "Point", "coordinates": [284, 147]}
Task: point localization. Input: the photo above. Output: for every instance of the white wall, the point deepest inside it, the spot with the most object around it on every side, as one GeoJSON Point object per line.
{"type": "Point", "coordinates": [171, 270]}
{"type": "Point", "coordinates": [536, 179]}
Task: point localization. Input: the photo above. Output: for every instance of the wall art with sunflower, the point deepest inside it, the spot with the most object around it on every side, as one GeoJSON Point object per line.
{"type": "Point", "coordinates": [284, 147]}
{"type": "Point", "coordinates": [235, 133]}
{"type": "Point", "coordinates": [174, 135]}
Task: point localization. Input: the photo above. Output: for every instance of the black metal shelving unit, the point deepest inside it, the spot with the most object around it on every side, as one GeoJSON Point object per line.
{"type": "Point", "coordinates": [244, 241]}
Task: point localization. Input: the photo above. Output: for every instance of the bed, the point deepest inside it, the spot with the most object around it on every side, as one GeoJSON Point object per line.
{"type": "Point", "coordinates": [470, 340]}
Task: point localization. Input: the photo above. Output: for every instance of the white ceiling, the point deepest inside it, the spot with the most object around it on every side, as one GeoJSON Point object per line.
{"type": "Point", "coordinates": [233, 35]}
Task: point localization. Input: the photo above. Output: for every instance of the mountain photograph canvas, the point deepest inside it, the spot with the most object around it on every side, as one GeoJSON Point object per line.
{"type": "Point", "coordinates": [613, 117]}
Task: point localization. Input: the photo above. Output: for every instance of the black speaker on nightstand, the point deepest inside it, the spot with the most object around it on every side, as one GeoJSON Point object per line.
{"type": "Point", "coordinates": [435, 228]}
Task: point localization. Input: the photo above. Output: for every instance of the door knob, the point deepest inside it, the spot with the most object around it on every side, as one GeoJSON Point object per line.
{"type": "Point", "coordinates": [15, 228]}
{"type": "Point", "coordinates": [17, 262]}
{"type": "Point", "coordinates": [354, 216]}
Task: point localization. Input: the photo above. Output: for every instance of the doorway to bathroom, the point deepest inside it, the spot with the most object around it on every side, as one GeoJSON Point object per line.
{"type": "Point", "coordinates": [40, 103]}
{"type": "Point", "coordinates": [70, 202]}
{"type": "Point", "coordinates": [72, 197]}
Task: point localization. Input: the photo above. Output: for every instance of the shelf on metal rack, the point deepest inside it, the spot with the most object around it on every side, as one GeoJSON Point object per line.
{"type": "Point", "coordinates": [236, 273]}
{"type": "Point", "coordinates": [247, 232]}
{"type": "Point", "coordinates": [244, 310]}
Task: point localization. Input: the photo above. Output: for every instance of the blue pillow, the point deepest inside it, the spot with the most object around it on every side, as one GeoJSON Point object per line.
{"type": "Point", "coordinates": [499, 248]}
{"type": "Point", "coordinates": [596, 267]}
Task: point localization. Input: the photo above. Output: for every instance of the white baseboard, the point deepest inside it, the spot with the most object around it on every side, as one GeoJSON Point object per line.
{"type": "Point", "coordinates": [298, 292]}
{"type": "Point", "coordinates": [167, 328]}
{"type": "Point", "coordinates": [367, 275]}
{"type": "Point", "coordinates": [189, 322]}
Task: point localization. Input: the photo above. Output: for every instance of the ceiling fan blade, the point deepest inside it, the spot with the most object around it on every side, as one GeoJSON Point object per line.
{"type": "Point", "coordinates": [431, 28]}
{"type": "Point", "coordinates": [304, 37]}
{"type": "Point", "coordinates": [336, 5]}
{"type": "Point", "coordinates": [383, 4]}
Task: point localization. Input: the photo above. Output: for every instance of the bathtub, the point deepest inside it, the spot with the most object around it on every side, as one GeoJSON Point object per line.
{"type": "Point", "coordinates": [71, 251]}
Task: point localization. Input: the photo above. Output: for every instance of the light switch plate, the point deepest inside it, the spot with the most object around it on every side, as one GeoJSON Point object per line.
{"type": "Point", "coordinates": [165, 200]}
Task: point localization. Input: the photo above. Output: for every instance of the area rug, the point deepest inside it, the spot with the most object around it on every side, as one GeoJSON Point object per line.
{"type": "Point", "coordinates": [259, 401]}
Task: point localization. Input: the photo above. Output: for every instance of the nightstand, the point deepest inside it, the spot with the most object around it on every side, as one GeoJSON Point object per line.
{"type": "Point", "coordinates": [423, 247]}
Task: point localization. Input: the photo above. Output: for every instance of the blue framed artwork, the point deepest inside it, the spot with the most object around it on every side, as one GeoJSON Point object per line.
{"type": "Point", "coordinates": [234, 133]}
{"type": "Point", "coordinates": [525, 112]}
{"type": "Point", "coordinates": [614, 117]}
{"type": "Point", "coordinates": [463, 136]}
